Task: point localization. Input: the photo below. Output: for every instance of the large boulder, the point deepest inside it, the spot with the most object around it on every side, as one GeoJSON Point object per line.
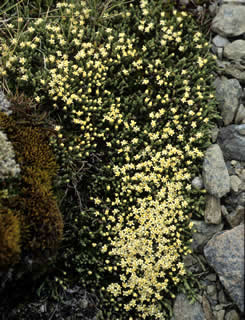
{"type": "Point", "coordinates": [231, 140]}
{"type": "Point", "coordinates": [229, 22]}
{"type": "Point", "coordinates": [225, 254]}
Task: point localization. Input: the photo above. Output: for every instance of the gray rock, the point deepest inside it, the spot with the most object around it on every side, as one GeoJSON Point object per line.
{"type": "Point", "coordinates": [203, 233]}
{"type": "Point", "coordinates": [224, 211]}
{"type": "Point", "coordinates": [4, 104]}
{"type": "Point", "coordinates": [234, 163]}
{"type": "Point", "coordinates": [211, 277]}
{"type": "Point", "coordinates": [192, 263]}
{"type": "Point", "coordinates": [242, 177]}
{"type": "Point", "coordinates": [235, 70]}
{"type": "Point", "coordinates": [228, 94]}
{"type": "Point", "coordinates": [222, 65]}
{"type": "Point", "coordinates": [213, 9]}
{"type": "Point", "coordinates": [225, 254]}
{"type": "Point", "coordinates": [229, 22]}
{"type": "Point", "coordinates": [219, 41]}
{"type": "Point", "coordinates": [197, 183]}
{"type": "Point", "coordinates": [231, 140]}
{"type": "Point", "coordinates": [212, 214]}
{"type": "Point", "coordinates": [215, 174]}
{"type": "Point", "coordinates": [235, 50]}
{"type": "Point", "coordinates": [242, 186]}
{"type": "Point", "coordinates": [219, 315]}
{"type": "Point", "coordinates": [220, 53]}
{"type": "Point", "coordinates": [211, 290]}
{"type": "Point", "coordinates": [183, 310]}
{"type": "Point", "coordinates": [234, 1]}
{"type": "Point", "coordinates": [214, 133]}
{"type": "Point", "coordinates": [236, 217]}
{"type": "Point", "coordinates": [221, 296]}
{"type": "Point", "coordinates": [207, 309]}
{"type": "Point", "coordinates": [184, 2]}
{"type": "Point", "coordinates": [240, 115]}
{"type": "Point", "coordinates": [235, 183]}
{"type": "Point", "coordinates": [232, 315]}
{"type": "Point", "coordinates": [230, 168]}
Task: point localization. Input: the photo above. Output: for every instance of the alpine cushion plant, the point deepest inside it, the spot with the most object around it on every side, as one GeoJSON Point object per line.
{"type": "Point", "coordinates": [133, 104]}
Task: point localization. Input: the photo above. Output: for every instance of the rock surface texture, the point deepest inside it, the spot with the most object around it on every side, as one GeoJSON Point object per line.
{"type": "Point", "coordinates": [224, 250]}
{"type": "Point", "coordinates": [218, 243]}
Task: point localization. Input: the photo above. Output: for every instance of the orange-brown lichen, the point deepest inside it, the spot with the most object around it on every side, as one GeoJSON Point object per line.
{"type": "Point", "coordinates": [9, 238]}
{"type": "Point", "coordinates": [42, 223]}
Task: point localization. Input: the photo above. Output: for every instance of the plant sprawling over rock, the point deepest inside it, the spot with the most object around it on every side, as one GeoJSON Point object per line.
{"type": "Point", "coordinates": [131, 96]}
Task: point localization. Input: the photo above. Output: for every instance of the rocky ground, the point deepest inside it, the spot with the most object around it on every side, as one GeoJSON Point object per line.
{"type": "Point", "coordinates": [218, 246]}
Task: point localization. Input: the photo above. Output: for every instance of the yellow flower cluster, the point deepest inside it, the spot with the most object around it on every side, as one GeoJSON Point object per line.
{"type": "Point", "coordinates": [146, 237]}
{"type": "Point", "coordinates": [143, 102]}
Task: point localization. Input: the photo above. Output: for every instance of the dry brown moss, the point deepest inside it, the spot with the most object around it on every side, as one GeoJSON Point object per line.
{"type": "Point", "coordinates": [42, 223]}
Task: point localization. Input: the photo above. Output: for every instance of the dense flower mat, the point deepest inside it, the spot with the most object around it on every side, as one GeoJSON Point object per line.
{"type": "Point", "coordinates": [130, 97]}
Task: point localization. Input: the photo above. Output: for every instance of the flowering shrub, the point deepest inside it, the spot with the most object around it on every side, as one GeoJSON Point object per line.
{"type": "Point", "coordinates": [133, 105]}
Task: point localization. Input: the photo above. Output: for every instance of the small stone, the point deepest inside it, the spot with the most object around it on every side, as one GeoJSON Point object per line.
{"type": "Point", "coordinates": [236, 217]}
{"type": "Point", "coordinates": [214, 134]}
{"type": "Point", "coordinates": [235, 183]}
{"type": "Point", "coordinates": [43, 308]}
{"type": "Point", "coordinates": [212, 214]}
{"type": "Point", "coordinates": [220, 315]}
{"type": "Point", "coordinates": [242, 131]}
{"type": "Point", "coordinates": [235, 50]}
{"type": "Point", "coordinates": [218, 307]}
{"type": "Point", "coordinates": [221, 296]}
{"type": "Point", "coordinates": [183, 310]}
{"type": "Point", "coordinates": [215, 174]}
{"type": "Point", "coordinates": [234, 1]}
{"type": "Point", "coordinates": [238, 171]}
{"type": "Point", "coordinates": [220, 53]}
{"type": "Point", "coordinates": [184, 2]}
{"type": "Point", "coordinates": [240, 115]}
{"type": "Point", "coordinates": [211, 277]}
{"type": "Point", "coordinates": [197, 183]}
{"type": "Point", "coordinates": [211, 290]}
{"type": "Point", "coordinates": [228, 94]}
{"type": "Point", "coordinates": [214, 49]}
{"type": "Point", "coordinates": [189, 260]}
{"type": "Point", "coordinates": [4, 104]}
{"type": "Point", "coordinates": [219, 41]}
{"type": "Point", "coordinates": [230, 168]}
{"type": "Point", "coordinates": [224, 211]}
{"type": "Point", "coordinates": [207, 309]}
{"type": "Point", "coordinates": [234, 70]}
{"type": "Point", "coordinates": [213, 9]}
{"type": "Point", "coordinates": [203, 233]}
{"type": "Point", "coordinates": [234, 163]}
{"type": "Point", "coordinates": [232, 315]}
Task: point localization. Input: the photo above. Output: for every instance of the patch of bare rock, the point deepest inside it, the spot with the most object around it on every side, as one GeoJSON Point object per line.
{"type": "Point", "coordinates": [218, 243]}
